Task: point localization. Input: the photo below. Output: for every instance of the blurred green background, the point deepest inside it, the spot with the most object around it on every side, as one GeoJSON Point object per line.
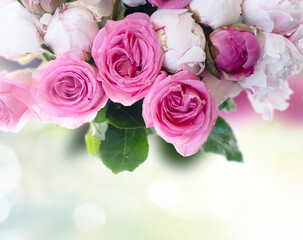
{"type": "Point", "coordinates": [51, 189]}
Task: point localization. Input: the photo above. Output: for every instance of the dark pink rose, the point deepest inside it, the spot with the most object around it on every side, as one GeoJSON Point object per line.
{"type": "Point", "coordinates": [129, 57]}
{"type": "Point", "coordinates": [180, 108]}
{"type": "Point", "coordinates": [15, 100]}
{"type": "Point", "coordinates": [68, 92]}
{"type": "Point", "coordinates": [233, 51]}
{"type": "Point", "coordinates": [172, 4]}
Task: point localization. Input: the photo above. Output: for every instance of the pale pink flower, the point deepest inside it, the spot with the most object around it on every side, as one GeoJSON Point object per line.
{"type": "Point", "coordinates": [183, 40]}
{"type": "Point", "coordinates": [216, 13]}
{"type": "Point", "coordinates": [268, 87]}
{"type": "Point", "coordinates": [71, 30]}
{"type": "Point", "coordinates": [15, 100]}
{"type": "Point", "coordinates": [41, 7]}
{"type": "Point", "coordinates": [20, 32]}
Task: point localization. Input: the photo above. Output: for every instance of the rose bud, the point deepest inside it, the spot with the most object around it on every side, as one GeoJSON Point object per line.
{"type": "Point", "coordinates": [20, 32]}
{"type": "Point", "coordinates": [134, 3]}
{"type": "Point", "coordinates": [181, 110]}
{"type": "Point", "coordinates": [71, 30]}
{"type": "Point", "coordinates": [15, 100]}
{"type": "Point", "coordinates": [215, 13]}
{"type": "Point", "coordinates": [171, 4]}
{"type": "Point", "coordinates": [183, 40]}
{"type": "Point", "coordinates": [41, 7]}
{"type": "Point", "coordinates": [129, 57]}
{"type": "Point", "coordinates": [281, 17]}
{"type": "Point", "coordinates": [268, 88]}
{"type": "Point", "coordinates": [67, 91]}
{"type": "Point", "coordinates": [232, 52]}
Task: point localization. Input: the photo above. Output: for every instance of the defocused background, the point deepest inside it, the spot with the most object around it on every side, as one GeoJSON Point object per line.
{"type": "Point", "coordinates": [51, 189]}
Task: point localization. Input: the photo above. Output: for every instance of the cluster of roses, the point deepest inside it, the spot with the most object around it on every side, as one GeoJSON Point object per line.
{"type": "Point", "coordinates": [159, 58]}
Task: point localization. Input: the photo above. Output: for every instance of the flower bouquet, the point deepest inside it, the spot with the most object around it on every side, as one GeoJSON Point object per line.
{"type": "Point", "coordinates": [133, 68]}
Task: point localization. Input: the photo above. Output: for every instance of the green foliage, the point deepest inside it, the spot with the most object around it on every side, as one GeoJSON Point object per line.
{"type": "Point", "coordinates": [124, 149]}
{"type": "Point", "coordinates": [101, 116]}
{"type": "Point", "coordinates": [92, 144]}
{"type": "Point", "coordinates": [125, 117]}
{"type": "Point", "coordinates": [228, 106]}
{"type": "Point", "coordinates": [222, 141]}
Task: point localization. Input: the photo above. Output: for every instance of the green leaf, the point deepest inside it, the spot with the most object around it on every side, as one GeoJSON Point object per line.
{"type": "Point", "coordinates": [92, 144]}
{"type": "Point", "coordinates": [48, 56]}
{"type": "Point", "coordinates": [125, 117]}
{"type": "Point", "coordinates": [228, 106]}
{"type": "Point", "coordinates": [47, 48]}
{"type": "Point", "coordinates": [124, 149]}
{"type": "Point", "coordinates": [102, 23]}
{"type": "Point", "coordinates": [101, 116]}
{"type": "Point", "coordinates": [118, 10]}
{"type": "Point", "coordinates": [222, 141]}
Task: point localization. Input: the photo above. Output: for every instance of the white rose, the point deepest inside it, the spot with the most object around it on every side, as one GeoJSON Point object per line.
{"type": "Point", "coordinates": [20, 32]}
{"type": "Point", "coordinates": [183, 40]}
{"type": "Point", "coordinates": [216, 13]}
{"type": "Point", "coordinates": [71, 30]}
{"type": "Point", "coordinates": [268, 87]}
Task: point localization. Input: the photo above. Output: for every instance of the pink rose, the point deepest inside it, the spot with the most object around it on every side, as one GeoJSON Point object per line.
{"type": "Point", "coordinates": [129, 57]}
{"type": "Point", "coordinates": [181, 110]}
{"type": "Point", "coordinates": [15, 100]}
{"type": "Point", "coordinates": [68, 92]}
{"type": "Point", "coordinates": [71, 30]}
{"type": "Point", "coordinates": [172, 4]}
{"type": "Point", "coordinates": [233, 52]}
{"type": "Point", "coordinates": [41, 7]}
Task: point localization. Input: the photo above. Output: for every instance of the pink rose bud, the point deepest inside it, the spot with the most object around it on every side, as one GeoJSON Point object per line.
{"type": "Point", "coordinates": [129, 57]}
{"type": "Point", "coordinates": [216, 13]}
{"type": "Point", "coordinates": [171, 4]}
{"type": "Point", "coordinates": [68, 92]}
{"type": "Point", "coordinates": [183, 40]}
{"type": "Point", "coordinates": [281, 17]}
{"type": "Point", "coordinates": [181, 110]}
{"type": "Point", "coordinates": [268, 88]}
{"type": "Point", "coordinates": [134, 3]}
{"type": "Point", "coordinates": [20, 32]}
{"type": "Point", "coordinates": [232, 52]}
{"type": "Point", "coordinates": [71, 30]}
{"type": "Point", "coordinates": [41, 7]}
{"type": "Point", "coordinates": [15, 100]}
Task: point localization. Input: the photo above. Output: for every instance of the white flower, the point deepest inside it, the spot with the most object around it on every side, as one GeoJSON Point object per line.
{"type": "Point", "coordinates": [268, 87]}
{"type": "Point", "coordinates": [134, 3]}
{"type": "Point", "coordinates": [277, 16]}
{"type": "Point", "coordinates": [71, 30]}
{"type": "Point", "coordinates": [216, 13]}
{"type": "Point", "coordinates": [99, 8]}
{"type": "Point", "coordinates": [220, 90]}
{"type": "Point", "coordinates": [20, 32]}
{"type": "Point", "coordinates": [183, 40]}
